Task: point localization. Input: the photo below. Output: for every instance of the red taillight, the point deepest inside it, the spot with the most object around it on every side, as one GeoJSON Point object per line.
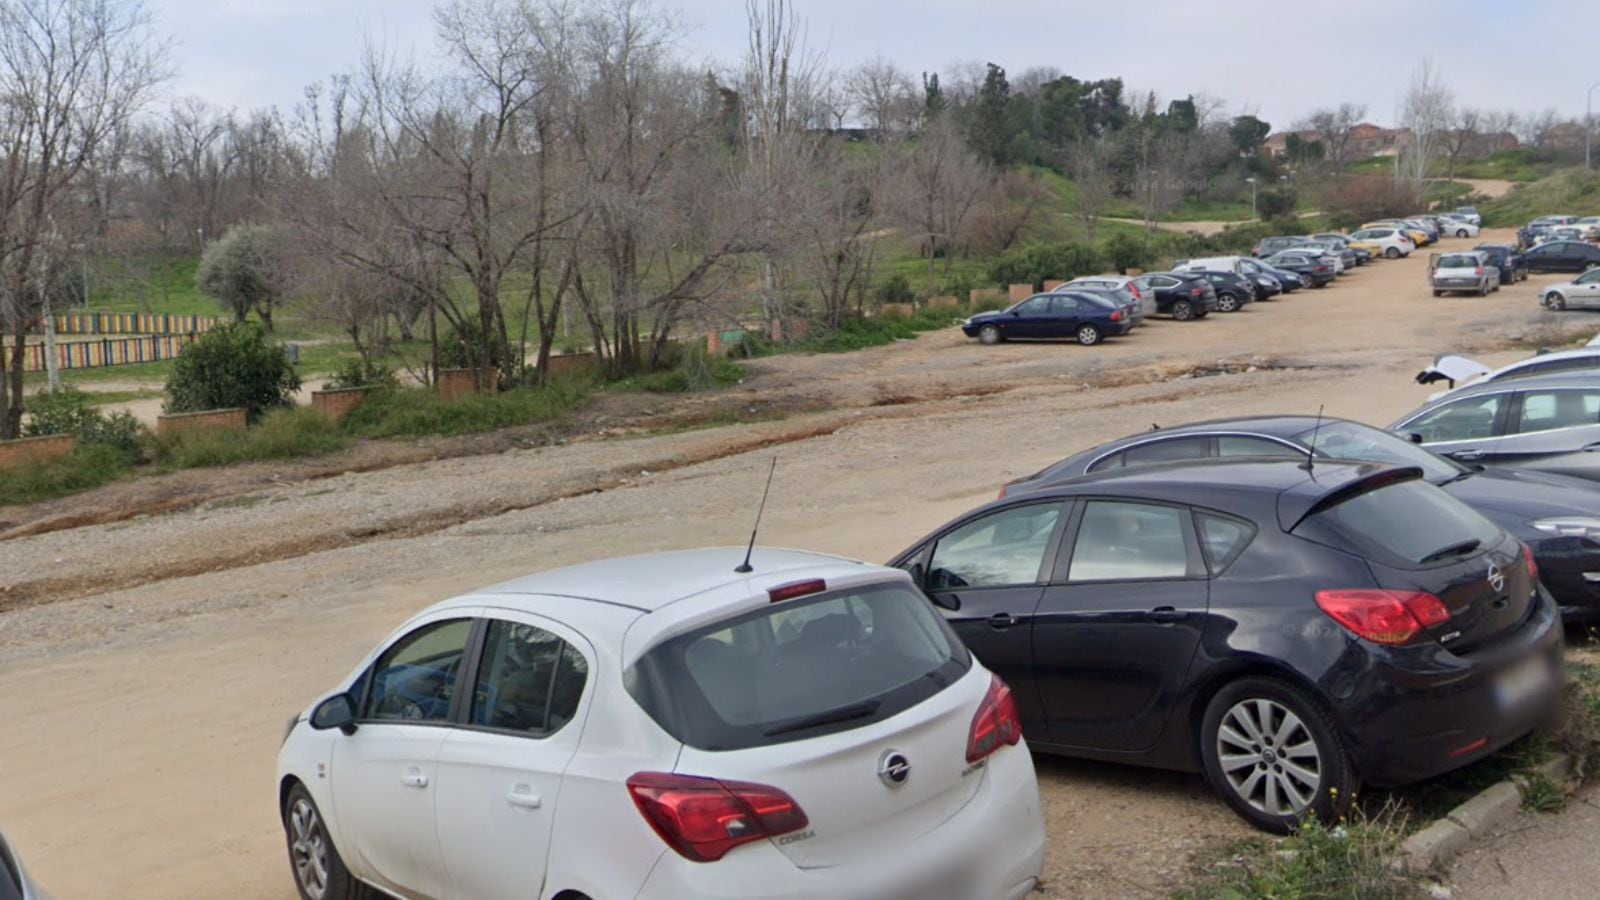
{"type": "Point", "coordinates": [1116, 315]}
{"type": "Point", "coordinates": [1480, 271]}
{"type": "Point", "coordinates": [1196, 292]}
{"type": "Point", "coordinates": [703, 818]}
{"type": "Point", "coordinates": [1533, 567]}
{"type": "Point", "coordinates": [1384, 617]}
{"type": "Point", "coordinates": [795, 589]}
{"type": "Point", "coordinates": [996, 724]}
{"type": "Point", "coordinates": [1134, 290]}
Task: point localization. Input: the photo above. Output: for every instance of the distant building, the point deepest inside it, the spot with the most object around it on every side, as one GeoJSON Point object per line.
{"type": "Point", "coordinates": [1562, 136]}
{"type": "Point", "coordinates": [1367, 140]}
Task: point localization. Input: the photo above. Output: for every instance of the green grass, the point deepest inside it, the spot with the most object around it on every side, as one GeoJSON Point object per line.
{"type": "Point", "coordinates": [415, 412]}
{"type": "Point", "coordinates": [86, 467]}
{"type": "Point", "coordinates": [1350, 861]}
{"type": "Point", "coordinates": [156, 284]}
{"type": "Point", "coordinates": [281, 434]}
{"type": "Point", "coordinates": [1572, 192]}
{"type": "Point", "coordinates": [1507, 165]}
{"type": "Point", "coordinates": [697, 372]}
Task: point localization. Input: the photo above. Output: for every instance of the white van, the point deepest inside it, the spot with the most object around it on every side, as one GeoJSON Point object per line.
{"type": "Point", "coordinates": [1234, 264]}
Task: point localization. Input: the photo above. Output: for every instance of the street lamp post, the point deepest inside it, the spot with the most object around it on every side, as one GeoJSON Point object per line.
{"type": "Point", "coordinates": [1588, 126]}
{"type": "Point", "coordinates": [1252, 181]}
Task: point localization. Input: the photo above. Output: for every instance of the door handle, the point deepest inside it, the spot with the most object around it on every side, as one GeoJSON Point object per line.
{"type": "Point", "coordinates": [414, 779]}
{"type": "Point", "coordinates": [522, 798]}
{"type": "Point", "coordinates": [1166, 615]}
{"type": "Point", "coordinates": [1002, 621]}
{"type": "Point", "coordinates": [1466, 455]}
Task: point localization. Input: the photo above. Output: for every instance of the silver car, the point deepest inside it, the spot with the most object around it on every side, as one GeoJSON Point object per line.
{"type": "Point", "coordinates": [1550, 423]}
{"type": "Point", "coordinates": [1582, 292]}
{"type": "Point", "coordinates": [1147, 305]}
{"type": "Point", "coordinates": [1467, 270]}
{"type": "Point", "coordinates": [14, 882]}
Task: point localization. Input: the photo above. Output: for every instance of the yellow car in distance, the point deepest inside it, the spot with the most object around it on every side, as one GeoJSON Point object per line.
{"type": "Point", "coordinates": [1417, 235]}
{"type": "Point", "coordinates": [1353, 243]}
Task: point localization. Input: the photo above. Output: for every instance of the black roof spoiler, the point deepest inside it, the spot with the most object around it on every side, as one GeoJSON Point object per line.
{"type": "Point", "coordinates": [1314, 495]}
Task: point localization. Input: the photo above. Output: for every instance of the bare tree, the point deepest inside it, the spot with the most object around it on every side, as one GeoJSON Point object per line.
{"type": "Point", "coordinates": [1089, 164]}
{"type": "Point", "coordinates": [941, 182]}
{"type": "Point", "coordinates": [839, 226]}
{"type": "Point", "coordinates": [1334, 126]}
{"type": "Point", "coordinates": [1462, 136]}
{"type": "Point", "coordinates": [1426, 109]}
{"type": "Point", "coordinates": [884, 96]}
{"type": "Point", "coordinates": [1534, 128]}
{"type": "Point", "coordinates": [72, 74]}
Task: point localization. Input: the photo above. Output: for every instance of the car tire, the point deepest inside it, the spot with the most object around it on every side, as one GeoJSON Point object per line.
{"type": "Point", "coordinates": [1088, 335]}
{"type": "Point", "coordinates": [1326, 781]}
{"type": "Point", "coordinates": [1227, 303]}
{"type": "Point", "coordinates": [1438, 293]}
{"type": "Point", "coordinates": [1554, 302]}
{"type": "Point", "coordinates": [1461, 232]}
{"type": "Point", "coordinates": [1483, 289]}
{"type": "Point", "coordinates": [1182, 310]}
{"type": "Point", "coordinates": [989, 334]}
{"type": "Point", "coordinates": [1202, 313]}
{"type": "Point", "coordinates": [1392, 253]}
{"type": "Point", "coordinates": [319, 873]}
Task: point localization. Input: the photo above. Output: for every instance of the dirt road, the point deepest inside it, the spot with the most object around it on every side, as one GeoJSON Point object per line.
{"type": "Point", "coordinates": [138, 762]}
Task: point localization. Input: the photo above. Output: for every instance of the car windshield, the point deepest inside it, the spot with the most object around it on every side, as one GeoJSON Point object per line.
{"type": "Point", "coordinates": [1350, 440]}
{"type": "Point", "coordinates": [799, 668]}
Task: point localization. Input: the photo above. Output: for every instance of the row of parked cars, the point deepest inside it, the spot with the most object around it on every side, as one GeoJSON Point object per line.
{"type": "Point", "coordinates": [1293, 606]}
{"type": "Point", "coordinates": [1092, 308]}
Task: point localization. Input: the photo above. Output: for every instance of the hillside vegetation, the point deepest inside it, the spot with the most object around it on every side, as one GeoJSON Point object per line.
{"type": "Point", "coordinates": [1573, 192]}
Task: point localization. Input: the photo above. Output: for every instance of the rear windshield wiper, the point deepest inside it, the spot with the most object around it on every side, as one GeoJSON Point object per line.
{"type": "Point", "coordinates": [1458, 549]}
{"type": "Point", "coordinates": [826, 717]}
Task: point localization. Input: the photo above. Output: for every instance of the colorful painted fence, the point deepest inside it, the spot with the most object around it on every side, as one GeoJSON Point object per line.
{"type": "Point", "coordinates": [133, 323]}
{"type": "Point", "coordinates": [106, 352]}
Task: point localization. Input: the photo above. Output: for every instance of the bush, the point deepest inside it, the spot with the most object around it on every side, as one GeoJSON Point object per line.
{"type": "Point", "coordinates": [1371, 197]}
{"type": "Point", "coordinates": [68, 410]}
{"type": "Point", "coordinates": [243, 271]}
{"type": "Point", "coordinates": [232, 366]}
{"type": "Point", "coordinates": [1035, 263]}
{"type": "Point", "coordinates": [1128, 251]}
{"type": "Point", "coordinates": [1277, 204]}
{"type": "Point", "coordinates": [355, 373]}
{"type": "Point", "coordinates": [895, 289]}
{"type": "Point", "coordinates": [86, 467]}
{"type": "Point", "coordinates": [413, 412]}
{"type": "Point", "coordinates": [281, 434]}
{"type": "Point", "coordinates": [692, 369]}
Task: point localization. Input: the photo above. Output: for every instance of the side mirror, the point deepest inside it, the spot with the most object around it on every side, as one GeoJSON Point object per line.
{"type": "Point", "coordinates": [1415, 438]}
{"type": "Point", "coordinates": [917, 573]}
{"type": "Point", "coordinates": [338, 711]}
{"type": "Point", "coordinates": [946, 601]}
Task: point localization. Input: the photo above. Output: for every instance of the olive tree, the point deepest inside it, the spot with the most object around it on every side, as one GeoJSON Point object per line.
{"type": "Point", "coordinates": [244, 272]}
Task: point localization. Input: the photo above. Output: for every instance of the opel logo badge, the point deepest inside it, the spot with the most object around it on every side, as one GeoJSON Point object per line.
{"type": "Point", "coordinates": [894, 768]}
{"type": "Point", "coordinates": [1497, 578]}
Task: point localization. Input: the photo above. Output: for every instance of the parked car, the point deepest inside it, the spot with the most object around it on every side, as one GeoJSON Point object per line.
{"type": "Point", "coordinates": [1466, 271]}
{"type": "Point", "coordinates": [1582, 292]}
{"type": "Point", "coordinates": [1314, 269]}
{"type": "Point", "coordinates": [1234, 264]}
{"type": "Point", "coordinates": [1460, 228]}
{"type": "Point", "coordinates": [1181, 295]}
{"type": "Point", "coordinates": [14, 881]}
{"type": "Point", "coordinates": [1562, 256]}
{"type": "Point", "coordinates": [1557, 516]}
{"type": "Point", "coordinates": [1291, 281]}
{"type": "Point", "coordinates": [1086, 317]}
{"type": "Point", "coordinates": [1507, 259]}
{"type": "Point", "coordinates": [1364, 251]}
{"type": "Point", "coordinates": [1268, 246]}
{"type": "Point", "coordinates": [1460, 370]}
{"type": "Point", "coordinates": [1286, 281]}
{"type": "Point", "coordinates": [1391, 241]}
{"type": "Point", "coordinates": [1233, 291]}
{"type": "Point", "coordinates": [1289, 633]}
{"type": "Point", "coordinates": [1142, 306]}
{"type": "Point", "coordinates": [1590, 226]}
{"type": "Point", "coordinates": [668, 725]}
{"type": "Point", "coordinates": [1566, 233]}
{"type": "Point", "coordinates": [1417, 236]}
{"type": "Point", "coordinates": [1550, 423]}
{"type": "Point", "coordinates": [1128, 300]}
{"type": "Point", "coordinates": [1347, 257]}
{"type": "Point", "coordinates": [1470, 214]}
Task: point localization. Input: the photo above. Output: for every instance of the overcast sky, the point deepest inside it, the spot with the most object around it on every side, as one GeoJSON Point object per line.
{"type": "Point", "coordinates": [1278, 61]}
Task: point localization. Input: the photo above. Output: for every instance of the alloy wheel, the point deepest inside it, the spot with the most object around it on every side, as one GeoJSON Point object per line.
{"type": "Point", "coordinates": [1555, 301]}
{"type": "Point", "coordinates": [1088, 335]}
{"type": "Point", "coordinates": [1269, 757]}
{"type": "Point", "coordinates": [308, 848]}
{"type": "Point", "coordinates": [1182, 310]}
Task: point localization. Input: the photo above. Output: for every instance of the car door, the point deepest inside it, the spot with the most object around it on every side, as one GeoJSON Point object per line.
{"type": "Point", "coordinates": [1119, 624]}
{"type": "Point", "coordinates": [500, 769]}
{"type": "Point", "coordinates": [1585, 290]}
{"type": "Point", "coordinates": [1029, 318]}
{"type": "Point", "coordinates": [1554, 429]}
{"type": "Point", "coordinates": [1066, 314]}
{"type": "Point", "coordinates": [1468, 429]}
{"type": "Point", "coordinates": [1541, 258]}
{"type": "Point", "coordinates": [986, 575]}
{"type": "Point", "coordinates": [382, 774]}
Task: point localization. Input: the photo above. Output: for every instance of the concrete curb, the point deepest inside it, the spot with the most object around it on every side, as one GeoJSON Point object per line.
{"type": "Point", "coordinates": [1436, 844]}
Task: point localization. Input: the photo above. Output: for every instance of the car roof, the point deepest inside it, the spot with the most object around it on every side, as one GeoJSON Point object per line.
{"type": "Point", "coordinates": [650, 581]}
{"type": "Point", "coordinates": [1574, 380]}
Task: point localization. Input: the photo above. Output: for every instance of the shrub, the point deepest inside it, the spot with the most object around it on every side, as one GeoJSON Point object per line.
{"type": "Point", "coordinates": [242, 272]}
{"type": "Point", "coordinates": [1036, 262]}
{"type": "Point", "coordinates": [281, 434]}
{"type": "Point", "coordinates": [895, 289]}
{"type": "Point", "coordinates": [692, 369]}
{"type": "Point", "coordinates": [355, 373]}
{"type": "Point", "coordinates": [411, 412]}
{"type": "Point", "coordinates": [86, 467]}
{"type": "Point", "coordinates": [232, 366]}
{"type": "Point", "coordinates": [68, 410]}
{"type": "Point", "coordinates": [1277, 204]}
{"type": "Point", "coordinates": [1128, 251]}
{"type": "Point", "coordinates": [1371, 197]}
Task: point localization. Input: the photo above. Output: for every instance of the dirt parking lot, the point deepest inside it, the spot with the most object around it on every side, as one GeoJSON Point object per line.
{"type": "Point", "coordinates": [153, 661]}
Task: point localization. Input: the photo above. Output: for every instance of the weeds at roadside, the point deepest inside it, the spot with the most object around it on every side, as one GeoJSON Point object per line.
{"type": "Point", "coordinates": [1540, 794]}
{"type": "Point", "coordinates": [281, 434]}
{"type": "Point", "coordinates": [88, 466]}
{"type": "Point", "coordinates": [418, 412]}
{"type": "Point", "coordinates": [1317, 862]}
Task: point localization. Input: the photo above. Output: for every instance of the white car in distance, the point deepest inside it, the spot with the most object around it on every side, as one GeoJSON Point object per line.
{"type": "Point", "coordinates": [667, 726]}
{"type": "Point", "coordinates": [1392, 242]}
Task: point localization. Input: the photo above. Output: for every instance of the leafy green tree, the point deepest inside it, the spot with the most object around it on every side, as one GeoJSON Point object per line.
{"type": "Point", "coordinates": [1298, 150]}
{"type": "Point", "coordinates": [1276, 204]}
{"type": "Point", "coordinates": [243, 272]}
{"type": "Point", "coordinates": [1128, 251]}
{"type": "Point", "coordinates": [1248, 133]}
{"type": "Point", "coordinates": [1182, 117]}
{"type": "Point", "coordinates": [934, 102]}
{"type": "Point", "coordinates": [232, 366]}
{"type": "Point", "coordinates": [989, 132]}
{"type": "Point", "coordinates": [895, 289]}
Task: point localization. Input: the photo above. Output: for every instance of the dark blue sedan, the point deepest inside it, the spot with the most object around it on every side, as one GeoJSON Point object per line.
{"type": "Point", "coordinates": [1087, 318]}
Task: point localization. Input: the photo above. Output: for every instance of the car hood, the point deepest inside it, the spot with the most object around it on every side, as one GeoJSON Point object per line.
{"type": "Point", "coordinates": [988, 317]}
{"type": "Point", "coordinates": [1526, 495]}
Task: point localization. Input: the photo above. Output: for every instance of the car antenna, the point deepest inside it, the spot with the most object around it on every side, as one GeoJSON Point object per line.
{"type": "Point", "coordinates": [1311, 451]}
{"type": "Point", "coordinates": [744, 567]}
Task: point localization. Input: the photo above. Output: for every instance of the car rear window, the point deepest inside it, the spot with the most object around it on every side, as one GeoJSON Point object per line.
{"type": "Point", "coordinates": [1458, 262]}
{"type": "Point", "coordinates": [799, 669]}
{"type": "Point", "coordinates": [1405, 523]}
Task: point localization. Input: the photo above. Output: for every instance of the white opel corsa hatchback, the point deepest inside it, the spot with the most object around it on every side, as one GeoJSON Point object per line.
{"type": "Point", "coordinates": [666, 726]}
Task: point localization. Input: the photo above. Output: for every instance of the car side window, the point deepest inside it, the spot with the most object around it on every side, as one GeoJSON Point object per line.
{"type": "Point", "coordinates": [1035, 306]}
{"type": "Point", "coordinates": [1002, 548]}
{"type": "Point", "coordinates": [1548, 410]}
{"type": "Point", "coordinates": [1119, 541]}
{"type": "Point", "coordinates": [529, 680]}
{"type": "Point", "coordinates": [1235, 445]}
{"type": "Point", "coordinates": [1167, 450]}
{"type": "Point", "coordinates": [415, 678]}
{"type": "Point", "coordinates": [1589, 277]}
{"type": "Point", "coordinates": [1463, 420]}
{"type": "Point", "coordinates": [1223, 539]}
{"type": "Point", "coordinates": [1063, 305]}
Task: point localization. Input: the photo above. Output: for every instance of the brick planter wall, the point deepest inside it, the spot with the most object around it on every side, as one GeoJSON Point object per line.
{"type": "Point", "coordinates": [568, 363]}
{"type": "Point", "coordinates": [1019, 292]}
{"type": "Point", "coordinates": [457, 382]}
{"type": "Point", "coordinates": [33, 451]}
{"type": "Point", "coordinates": [336, 403]}
{"type": "Point", "coordinates": [210, 419]}
{"type": "Point", "coordinates": [1051, 284]}
{"type": "Point", "coordinates": [978, 296]}
{"type": "Point", "coordinates": [944, 303]}
{"type": "Point", "coordinates": [897, 311]}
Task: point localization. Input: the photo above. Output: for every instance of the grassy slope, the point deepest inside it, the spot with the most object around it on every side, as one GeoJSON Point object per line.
{"type": "Point", "coordinates": [1567, 192]}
